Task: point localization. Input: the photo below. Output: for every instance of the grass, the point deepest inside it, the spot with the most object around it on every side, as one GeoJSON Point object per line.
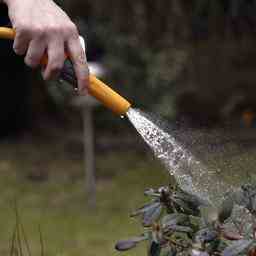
{"type": "Point", "coordinates": [59, 206]}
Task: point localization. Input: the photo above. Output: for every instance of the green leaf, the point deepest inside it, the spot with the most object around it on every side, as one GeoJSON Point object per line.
{"type": "Point", "coordinates": [213, 246]}
{"type": "Point", "coordinates": [174, 218]}
{"type": "Point", "coordinates": [178, 228]}
{"type": "Point", "coordinates": [249, 190]}
{"type": "Point", "coordinates": [209, 214]}
{"type": "Point", "coordinates": [198, 253]}
{"type": "Point", "coordinates": [155, 249]}
{"type": "Point", "coordinates": [206, 235]}
{"type": "Point", "coordinates": [246, 196]}
{"type": "Point", "coordinates": [182, 239]}
{"type": "Point", "coordinates": [170, 251]}
{"type": "Point", "coordinates": [254, 204]}
{"type": "Point", "coordinates": [145, 208]}
{"type": "Point", "coordinates": [193, 200]}
{"type": "Point", "coordinates": [241, 198]}
{"type": "Point", "coordinates": [125, 245]}
{"type": "Point", "coordinates": [183, 206]}
{"type": "Point", "coordinates": [151, 215]}
{"type": "Point", "coordinates": [237, 247]}
{"type": "Point", "coordinates": [226, 208]}
{"type": "Point", "coordinates": [152, 192]}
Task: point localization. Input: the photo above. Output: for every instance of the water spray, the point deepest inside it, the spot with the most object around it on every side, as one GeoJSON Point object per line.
{"type": "Point", "coordinates": [102, 92]}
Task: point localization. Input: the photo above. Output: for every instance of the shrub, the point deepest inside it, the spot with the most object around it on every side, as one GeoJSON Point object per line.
{"type": "Point", "coordinates": [176, 222]}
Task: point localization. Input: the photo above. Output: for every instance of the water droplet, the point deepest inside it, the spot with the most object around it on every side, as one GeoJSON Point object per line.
{"type": "Point", "coordinates": [122, 116]}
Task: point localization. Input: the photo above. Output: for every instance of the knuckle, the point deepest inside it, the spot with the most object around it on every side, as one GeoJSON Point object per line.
{"type": "Point", "coordinates": [72, 30]}
{"type": "Point", "coordinates": [33, 30]}
{"type": "Point", "coordinates": [39, 31]}
{"type": "Point", "coordinates": [31, 61]}
{"type": "Point", "coordinates": [46, 30]}
{"type": "Point", "coordinates": [81, 59]}
{"type": "Point", "coordinates": [18, 50]}
{"type": "Point", "coordinates": [53, 28]}
{"type": "Point", "coordinates": [23, 28]}
{"type": "Point", "coordinates": [55, 66]}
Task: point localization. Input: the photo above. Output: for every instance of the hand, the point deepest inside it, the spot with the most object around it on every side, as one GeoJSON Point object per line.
{"type": "Point", "coordinates": [43, 27]}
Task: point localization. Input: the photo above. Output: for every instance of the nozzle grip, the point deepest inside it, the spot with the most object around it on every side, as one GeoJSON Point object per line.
{"type": "Point", "coordinates": [103, 93]}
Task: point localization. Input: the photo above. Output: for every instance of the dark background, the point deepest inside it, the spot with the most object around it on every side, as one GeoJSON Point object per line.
{"type": "Point", "coordinates": [190, 60]}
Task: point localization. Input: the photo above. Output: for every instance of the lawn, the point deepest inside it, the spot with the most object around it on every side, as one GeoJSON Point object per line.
{"type": "Point", "coordinates": [58, 204]}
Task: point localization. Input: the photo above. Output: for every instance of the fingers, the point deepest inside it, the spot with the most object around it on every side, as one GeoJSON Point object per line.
{"type": "Point", "coordinates": [56, 58]}
{"type": "Point", "coordinates": [35, 43]}
{"type": "Point", "coordinates": [35, 53]}
{"type": "Point", "coordinates": [21, 43]}
{"type": "Point", "coordinates": [78, 58]}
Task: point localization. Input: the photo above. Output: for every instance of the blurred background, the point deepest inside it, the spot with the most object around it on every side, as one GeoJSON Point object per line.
{"type": "Point", "coordinates": [76, 169]}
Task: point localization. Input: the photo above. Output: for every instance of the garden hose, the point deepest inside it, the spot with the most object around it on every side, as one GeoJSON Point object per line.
{"type": "Point", "coordinates": [103, 93]}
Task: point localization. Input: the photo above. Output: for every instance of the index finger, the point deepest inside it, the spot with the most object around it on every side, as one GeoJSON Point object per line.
{"type": "Point", "coordinates": [78, 57]}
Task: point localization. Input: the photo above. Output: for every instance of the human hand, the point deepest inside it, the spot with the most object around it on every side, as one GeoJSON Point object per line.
{"type": "Point", "coordinates": [43, 27]}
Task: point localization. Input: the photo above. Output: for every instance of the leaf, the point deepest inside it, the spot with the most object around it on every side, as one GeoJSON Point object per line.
{"type": "Point", "coordinates": [254, 204]}
{"type": "Point", "coordinates": [249, 193]}
{"type": "Point", "coordinates": [195, 252]}
{"type": "Point", "coordinates": [206, 235]}
{"type": "Point", "coordinates": [155, 249]}
{"type": "Point", "coordinates": [189, 203]}
{"type": "Point", "coordinates": [213, 246]}
{"type": "Point", "coordinates": [230, 235]}
{"type": "Point", "coordinates": [195, 222]}
{"type": "Point", "coordinates": [209, 214]}
{"type": "Point", "coordinates": [170, 251]}
{"type": "Point", "coordinates": [178, 228]}
{"type": "Point", "coordinates": [226, 209]}
{"type": "Point", "coordinates": [151, 215]}
{"type": "Point", "coordinates": [237, 247]}
{"type": "Point", "coordinates": [241, 198]}
{"type": "Point", "coordinates": [152, 192]}
{"type": "Point", "coordinates": [174, 218]}
{"type": "Point", "coordinates": [124, 245]}
{"type": "Point", "coordinates": [145, 208]}
{"type": "Point", "coordinates": [192, 199]}
{"type": "Point", "coordinates": [249, 190]}
{"type": "Point", "coordinates": [182, 239]}
{"type": "Point", "coordinates": [183, 206]}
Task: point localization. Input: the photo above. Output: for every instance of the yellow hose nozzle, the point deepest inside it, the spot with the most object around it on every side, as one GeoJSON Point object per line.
{"type": "Point", "coordinates": [108, 97]}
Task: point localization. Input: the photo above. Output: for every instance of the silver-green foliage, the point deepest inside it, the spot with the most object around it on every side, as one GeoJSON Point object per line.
{"type": "Point", "coordinates": [179, 223]}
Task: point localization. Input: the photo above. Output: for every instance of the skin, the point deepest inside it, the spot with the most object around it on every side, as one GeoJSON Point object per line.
{"type": "Point", "coordinates": [43, 27]}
